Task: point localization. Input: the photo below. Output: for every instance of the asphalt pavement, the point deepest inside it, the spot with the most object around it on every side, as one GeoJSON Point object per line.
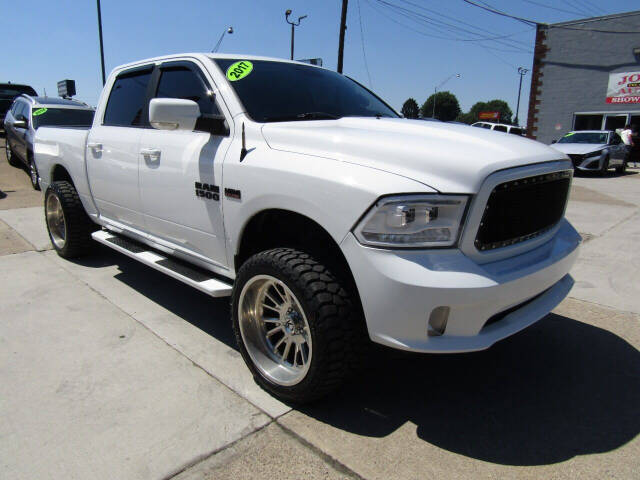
{"type": "Point", "coordinates": [108, 369]}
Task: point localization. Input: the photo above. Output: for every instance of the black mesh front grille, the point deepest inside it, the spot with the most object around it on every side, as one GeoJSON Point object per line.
{"type": "Point", "coordinates": [576, 159]}
{"type": "Point", "coordinates": [522, 209]}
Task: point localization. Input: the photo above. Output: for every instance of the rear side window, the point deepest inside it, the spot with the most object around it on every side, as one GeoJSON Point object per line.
{"type": "Point", "coordinates": [181, 82]}
{"type": "Point", "coordinates": [127, 101]}
{"type": "Point", "coordinates": [516, 131]}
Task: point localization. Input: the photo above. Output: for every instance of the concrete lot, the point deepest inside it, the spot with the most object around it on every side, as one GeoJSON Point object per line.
{"type": "Point", "coordinates": [109, 369]}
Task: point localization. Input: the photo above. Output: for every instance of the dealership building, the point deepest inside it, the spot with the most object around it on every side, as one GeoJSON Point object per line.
{"type": "Point", "coordinates": [585, 76]}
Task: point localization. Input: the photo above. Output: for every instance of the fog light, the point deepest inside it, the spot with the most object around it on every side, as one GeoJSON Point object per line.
{"type": "Point", "coordinates": [438, 321]}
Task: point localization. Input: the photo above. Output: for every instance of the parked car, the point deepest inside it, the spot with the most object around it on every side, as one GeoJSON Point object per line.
{"type": "Point", "coordinates": [330, 220]}
{"type": "Point", "coordinates": [8, 92]}
{"type": "Point", "coordinates": [27, 114]}
{"type": "Point", "coordinates": [501, 127]}
{"type": "Point", "coordinates": [593, 150]}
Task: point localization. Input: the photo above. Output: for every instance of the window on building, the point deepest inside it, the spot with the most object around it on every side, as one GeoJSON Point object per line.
{"type": "Point", "coordinates": [634, 121]}
{"type": "Point", "coordinates": [127, 100]}
{"type": "Point", "coordinates": [587, 122]}
{"type": "Point", "coordinates": [614, 122]}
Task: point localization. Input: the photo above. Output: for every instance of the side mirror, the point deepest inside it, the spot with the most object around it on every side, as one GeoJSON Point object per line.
{"type": "Point", "coordinates": [20, 124]}
{"type": "Point", "coordinates": [554, 141]}
{"type": "Point", "coordinates": [173, 114]}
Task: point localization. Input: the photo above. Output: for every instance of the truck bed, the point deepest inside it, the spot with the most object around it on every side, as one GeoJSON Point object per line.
{"type": "Point", "coordinates": [63, 147]}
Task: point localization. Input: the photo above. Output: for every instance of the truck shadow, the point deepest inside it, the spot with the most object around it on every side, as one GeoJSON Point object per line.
{"type": "Point", "coordinates": [211, 315]}
{"type": "Point", "coordinates": [559, 389]}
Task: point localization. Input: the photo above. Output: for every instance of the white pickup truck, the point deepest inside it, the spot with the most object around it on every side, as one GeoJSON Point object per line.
{"type": "Point", "coordinates": [329, 220]}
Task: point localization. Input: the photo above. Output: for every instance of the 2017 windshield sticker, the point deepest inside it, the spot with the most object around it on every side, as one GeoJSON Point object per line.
{"type": "Point", "coordinates": [569, 134]}
{"type": "Point", "coordinates": [39, 111]}
{"type": "Point", "coordinates": [239, 70]}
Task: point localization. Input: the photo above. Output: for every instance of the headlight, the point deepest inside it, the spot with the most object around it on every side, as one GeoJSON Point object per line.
{"type": "Point", "coordinates": [593, 154]}
{"type": "Point", "coordinates": [413, 221]}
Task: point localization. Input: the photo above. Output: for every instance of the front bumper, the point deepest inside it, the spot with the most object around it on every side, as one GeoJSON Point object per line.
{"type": "Point", "coordinates": [587, 164]}
{"type": "Point", "coordinates": [400, 288]}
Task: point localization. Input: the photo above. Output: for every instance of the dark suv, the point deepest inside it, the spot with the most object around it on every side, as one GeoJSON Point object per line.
{"type": "Point", "coordinates": [8, 92]}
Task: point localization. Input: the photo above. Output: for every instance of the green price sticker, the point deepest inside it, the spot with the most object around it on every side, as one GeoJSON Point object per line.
{"type": "Point", "coordinates": [39, 111]}
{"type": "Point", "coordinates": [239, 70]}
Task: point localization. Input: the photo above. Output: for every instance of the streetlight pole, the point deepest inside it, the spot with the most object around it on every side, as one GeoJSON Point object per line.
{"type": "Point", "coordinates": [101, 46]}
{"type": "Point", "coordinates": [435, 91]}
{"type": "Point", "coordinates": [226, 30]}
{"type": "Point", "coordinates": [522, 71]}
{"type": "Point", "coordinates": [293, 26]}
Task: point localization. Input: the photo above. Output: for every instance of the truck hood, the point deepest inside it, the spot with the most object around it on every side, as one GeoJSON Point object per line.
{"type": "Point", "coordinates": [446, 157]}
{"type": "Point", "coordinates": [578, 148]}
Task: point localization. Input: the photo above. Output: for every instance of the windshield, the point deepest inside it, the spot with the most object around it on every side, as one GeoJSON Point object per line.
{"type": "Point", "coordinates": [584, 137]}
{"type": "Point", "coordinates": [276, 91]}
{"type": "Point", "coordinates": [68, 117]}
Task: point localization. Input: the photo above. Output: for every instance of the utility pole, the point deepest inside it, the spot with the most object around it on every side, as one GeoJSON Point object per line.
{"type": "Point", "coordinates": [522, 71]}
{"type": "Point", "coordinates": [435, 92]}
{"type": "Point", "coordinates": [343, 29]}
{"type": "Point", "coordinates": [101, 46]}
{"type": "Point", "coordinates": [293, 26]}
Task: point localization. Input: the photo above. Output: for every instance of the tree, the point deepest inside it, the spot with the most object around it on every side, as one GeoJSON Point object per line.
{"type": "Point", "coordinates": [410, 108]}
{"type": "Point", "coordinates": [447, 106]}
{"type": "Point", "coordinates": [491, 106]}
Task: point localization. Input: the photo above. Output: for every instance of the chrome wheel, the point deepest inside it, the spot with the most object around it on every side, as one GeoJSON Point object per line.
{"type": "Point", "coordinates": [55, 221]}
{"type": "Point", "coordinates": [275, 330]}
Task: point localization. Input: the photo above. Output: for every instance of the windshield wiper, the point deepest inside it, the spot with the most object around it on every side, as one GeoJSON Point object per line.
{"type": "Point", "coordinates": [303, 116]}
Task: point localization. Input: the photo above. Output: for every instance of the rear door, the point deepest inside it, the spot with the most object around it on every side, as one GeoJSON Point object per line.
{"type": "Point", "coordinates": [113, 145]}
{"type": "Point", "coordinates": [181, 171]}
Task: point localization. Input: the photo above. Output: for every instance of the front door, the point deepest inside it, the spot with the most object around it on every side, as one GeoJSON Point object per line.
{"type": "Point", "coordinates": [181, 171]}
{"type": "Point", "coordinates": [112, 149]}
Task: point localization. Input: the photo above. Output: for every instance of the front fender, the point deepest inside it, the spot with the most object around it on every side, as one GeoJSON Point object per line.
{"type": "Point", "coordinates": [332, 193]}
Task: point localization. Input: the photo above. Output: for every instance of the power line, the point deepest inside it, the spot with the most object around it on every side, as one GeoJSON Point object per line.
{"type": "Point", "coordinates": [551, 7]}
{"type": "Point", "coordinates": [489, 8]}
{"type": "Point", "coordinates": [364, 54]}
{"type": "Point", "coordinates": [448, 27]}
{"type": "Point", "coordinates": [430, 35]}
{"type": "Point", "coordinates": [465, 23]}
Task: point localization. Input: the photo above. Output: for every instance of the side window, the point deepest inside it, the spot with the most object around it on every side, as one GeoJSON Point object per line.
{"type": "Point", "coordinates": [127, 100]}
{"type": "Point", "coordinates": [500, 128]}
{"type": "Point", "coordinates": [21, 111]}
{"type": "Point", "coordinates": [181, 82]}
{"type": "Point", "coordinates": [615, 139]}
{"type": "Point", "coordinates": [486, 125]}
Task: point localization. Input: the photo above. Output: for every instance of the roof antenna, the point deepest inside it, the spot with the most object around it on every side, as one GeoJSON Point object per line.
{"type": "Point", "coordinates": [243, 150]}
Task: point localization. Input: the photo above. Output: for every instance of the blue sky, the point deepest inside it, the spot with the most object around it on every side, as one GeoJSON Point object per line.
{"type": "Point", "coordinates": [46, 41]}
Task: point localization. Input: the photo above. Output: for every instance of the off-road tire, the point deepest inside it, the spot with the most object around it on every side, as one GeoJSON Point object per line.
{"type": "Point", "coordinates": [11, 157]}
{"type": "Point", "coordinates": [78, 241]}
{"type": "Point", "coordinates": [331, 315]}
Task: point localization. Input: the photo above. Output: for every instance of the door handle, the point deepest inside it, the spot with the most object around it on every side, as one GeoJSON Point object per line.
{"type": "Point", "coordinates": [96, 147]}
{"type": "Point", "coordinates": [152, 153]}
